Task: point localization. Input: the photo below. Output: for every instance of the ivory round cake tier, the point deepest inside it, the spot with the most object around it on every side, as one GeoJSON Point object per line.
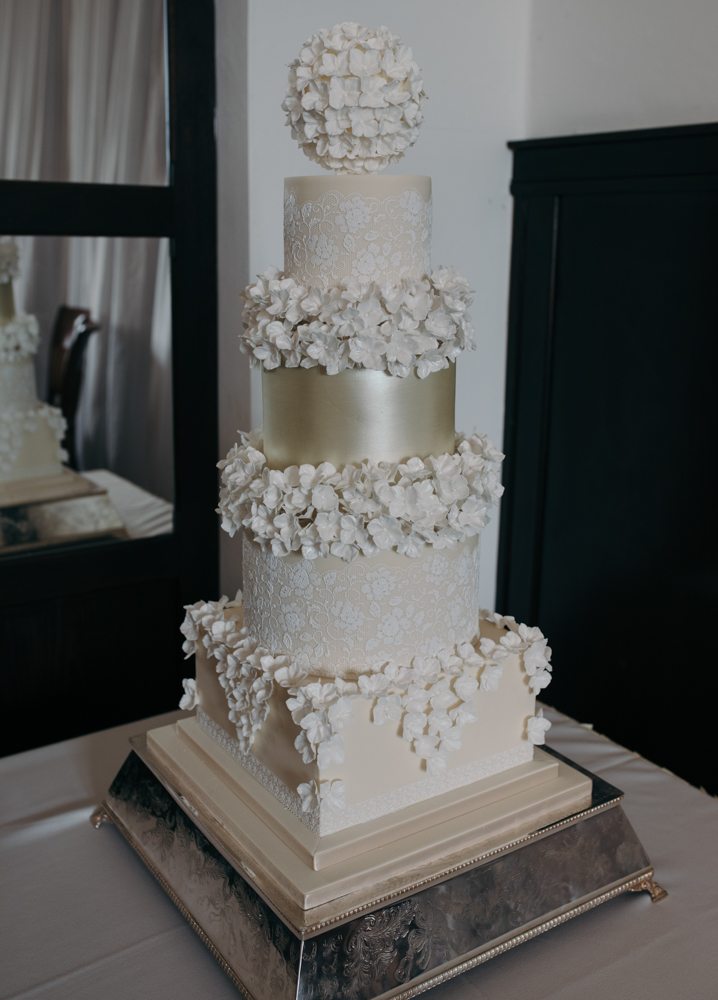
{"type": "Point", "coordinates": [355, 677]}
{"type": "Point", "coordinates": [31, 432]}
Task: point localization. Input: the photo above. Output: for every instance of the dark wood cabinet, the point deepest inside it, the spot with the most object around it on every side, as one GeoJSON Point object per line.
{"type": "Point", "coordinates": [608, 531]}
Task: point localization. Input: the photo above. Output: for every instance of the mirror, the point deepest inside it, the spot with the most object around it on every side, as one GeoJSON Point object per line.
{"type": "Point", "coordinates": [85, 390]}
{"type": "Point", "coordinates": [82, 91]}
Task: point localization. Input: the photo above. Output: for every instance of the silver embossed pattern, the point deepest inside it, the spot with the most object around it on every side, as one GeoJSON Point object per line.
{"type": "Point", "coordinates": [352, 236]}
{"type": "Point", "coordinates": [363, 613]}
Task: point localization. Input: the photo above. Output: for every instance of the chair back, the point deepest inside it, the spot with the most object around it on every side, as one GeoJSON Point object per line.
{"type": "Point", "coordinates": [73, 328]}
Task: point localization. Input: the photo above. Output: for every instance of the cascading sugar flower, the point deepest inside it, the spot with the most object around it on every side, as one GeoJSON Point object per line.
{"type": "Point", "coordinates": [354, 98]}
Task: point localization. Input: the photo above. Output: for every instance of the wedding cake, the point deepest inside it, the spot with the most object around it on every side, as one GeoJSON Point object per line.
{"type": "Point", "coordinates": [31, 432]}
{"type": "Point", "coordinates": [356, 685]}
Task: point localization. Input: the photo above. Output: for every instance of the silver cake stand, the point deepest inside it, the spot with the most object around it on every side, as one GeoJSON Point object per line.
{"type": "Point", "coordinates": [398, 938]}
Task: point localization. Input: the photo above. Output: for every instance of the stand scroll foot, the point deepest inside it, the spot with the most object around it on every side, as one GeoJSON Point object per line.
{"type": "Point", "coordinates": [648, 885]}
{"type": "Point", "coordinates": [100, 816]}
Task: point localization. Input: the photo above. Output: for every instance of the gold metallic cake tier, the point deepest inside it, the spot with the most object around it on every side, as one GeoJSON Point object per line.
{"type": "Point", "coordinates": [311, 417]}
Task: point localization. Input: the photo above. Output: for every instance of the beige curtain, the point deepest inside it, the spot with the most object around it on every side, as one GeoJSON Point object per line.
{"type": "Point", "coordinates": [82, 98]}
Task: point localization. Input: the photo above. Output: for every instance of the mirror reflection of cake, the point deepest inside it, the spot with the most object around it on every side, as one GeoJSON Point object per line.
{"type": "Point", "coordinates": [35, 486]}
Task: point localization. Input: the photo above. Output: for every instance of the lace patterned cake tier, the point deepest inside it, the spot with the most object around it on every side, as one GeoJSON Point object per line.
{"type": "Point", "coordinates": [344, 236]}
{"type": "Point", "coordinates": [349, 616]}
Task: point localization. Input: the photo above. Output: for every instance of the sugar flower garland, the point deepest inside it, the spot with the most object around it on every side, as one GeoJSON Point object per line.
{"type": "Point", "coordinates": [19, 338]}
{"type": "Point", "coordinates": [15, 422]}
{"type": "Point", "coordinates": [9, 260]}
{"type": "Point", "coordinates": [387, 327]}
{"type": "Point", "coordinates": [432, 698]}
{"type": "Point", "coordinates": [354, 98]}
{"type": "Point", "coordinates": [319, 511]}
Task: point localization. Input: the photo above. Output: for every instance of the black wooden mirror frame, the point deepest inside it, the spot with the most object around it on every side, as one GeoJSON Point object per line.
{"type": "Point", "coordinates": [89, 633]}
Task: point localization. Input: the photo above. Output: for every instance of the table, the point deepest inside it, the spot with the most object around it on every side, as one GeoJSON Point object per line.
{"type": "Point", "coordinates": [81, 918]}
{"type": "Point", "coordinates": [142, 513]}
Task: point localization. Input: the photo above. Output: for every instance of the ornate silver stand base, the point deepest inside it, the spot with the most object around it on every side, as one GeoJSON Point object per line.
{"type": "Point", "coordinates": [396, 943]}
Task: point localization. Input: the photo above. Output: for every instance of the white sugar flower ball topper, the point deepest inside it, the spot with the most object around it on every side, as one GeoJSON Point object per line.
{"type": "Point", "coordinates": [354, 98]}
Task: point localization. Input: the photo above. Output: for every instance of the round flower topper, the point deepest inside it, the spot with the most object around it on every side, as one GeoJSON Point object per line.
{"type": "Point", "coordinates": [354, 98]}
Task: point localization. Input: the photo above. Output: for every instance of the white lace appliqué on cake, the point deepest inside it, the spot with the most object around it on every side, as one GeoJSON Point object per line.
{"type": "Point", "coordinates": [340, 237]}
{"type": "Point", "coordinates": [349, 619]}
{"type": "Point", "coordinates": [432, 697]}
{"type": "Point", "coordinates": [440, 501]}
{"type": "Point", "coordinates": [421, 324]}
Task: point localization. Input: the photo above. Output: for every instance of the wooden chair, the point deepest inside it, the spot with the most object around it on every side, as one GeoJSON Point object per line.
{"type": "Point", "coordinates": [73, 328]}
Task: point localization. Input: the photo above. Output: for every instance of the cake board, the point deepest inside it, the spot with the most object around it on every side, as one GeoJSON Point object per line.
{"type": "Point", "coordinates": [396, 938]}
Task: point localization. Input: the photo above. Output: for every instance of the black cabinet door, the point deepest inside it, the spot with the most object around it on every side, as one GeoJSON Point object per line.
{"type": "Point", "coordinates": [608, 534]}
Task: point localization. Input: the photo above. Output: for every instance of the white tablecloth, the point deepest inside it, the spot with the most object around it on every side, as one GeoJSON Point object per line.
{"type": "Point", "coordinates": [82, 919]}
{"type": "Point", "coordinates": [142, 513]}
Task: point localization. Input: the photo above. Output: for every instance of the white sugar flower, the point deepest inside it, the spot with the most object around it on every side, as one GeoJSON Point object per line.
{"type": "Point", "coordinates": [451, 739]}
{"type": "Point", "coordinates": [539, 680]}
{"type": "Point", "coordinates": [441, 695]}
{"type": "Point", "coordinates": [530, 634]}
{"type": "Point", "coordinates": [370, 685]}
{"type": "Point", "coordinates": [307, 750]}
{"type": "Point", "coordinates": [492, 651]}
{"type": "Point", "coordinates": [330, 752]}
{"type": "Point", "coordinates": [437, 763]}
{"type": "Point", "coordinates": [465, 686]}
{"type": "Point", "coordinates": [344, 687]}
{"type": "Point", "coordinates": [413, 726]}
{"type": "Point", "coordinates": [189, 698]}
{"type": "Point", "coordinates": [426, 669]}
{"type": "Point", "coordinates": [465, 714]}
{"type": "Point", "coordinates": [290, 675]}
{"type": "Point", "coordinates": [399, 677]}
{"type": "Point", "coordinates": [387, 709]}
{"type": "Point", "coordinates": [511, 642]}
{"type": "Point", "coordinates": [425, 746]}
{"type": "Point", "coordinates": [340, 714]}
{"type": "Point", "coordinates": [331, 794]}
{"type": "Point", "coordinates": [536, 728]}
{"type": "Point", "coordinates": [536, 657]}
{"type": "Point", "coordinates": [416, 698]}
{"type": "Point", "coordinates": [325, 498]}
{"type": "Point", "coordinates": [309, 794]}
{"type": "Point", "coordinates": [468, 654]}
{"type": "Point", "coordinates": [385, 531]}
{"type": "Point", "coordinates": [439, 723]}
{"type": "Point", "coordinates": [316, 725]}
{"type": "Point", "coordinates": [490, 677]}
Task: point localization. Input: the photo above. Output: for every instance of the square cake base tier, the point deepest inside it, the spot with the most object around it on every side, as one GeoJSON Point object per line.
{"type": "Point", "coordinates": [395, 937]}
{"type": "Point", "coordinates": [312, 870]}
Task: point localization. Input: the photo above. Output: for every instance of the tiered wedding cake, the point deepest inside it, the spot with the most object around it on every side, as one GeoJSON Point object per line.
{"type": "Point", "coordinates": [356, 686]}
{"type": "Point", "coordinates": [31, 432]}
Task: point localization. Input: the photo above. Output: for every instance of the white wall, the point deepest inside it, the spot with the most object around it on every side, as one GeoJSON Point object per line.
{"type": "Point", "coordinates": [605, 65]}
{"type": "Point", "coordinates": [474, 57]}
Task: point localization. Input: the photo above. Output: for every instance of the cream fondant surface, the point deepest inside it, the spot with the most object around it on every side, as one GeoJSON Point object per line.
{"type": "Point", "coordinates": [380, 772]}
